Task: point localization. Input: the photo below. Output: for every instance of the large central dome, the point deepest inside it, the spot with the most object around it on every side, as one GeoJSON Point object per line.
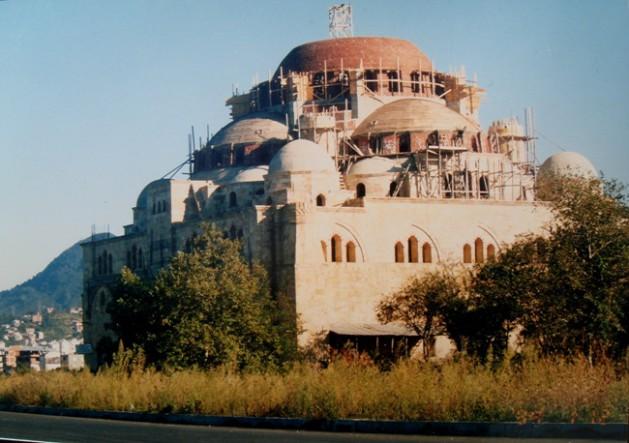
{"type": "Point", "coordinates": [340, 53]}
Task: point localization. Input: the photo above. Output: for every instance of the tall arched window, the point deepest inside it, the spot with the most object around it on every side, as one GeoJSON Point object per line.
{"type": "Point", "coordinates": [467, 253]}
{"type": "Point", "coordinates": [479, 251]}
{"type": "Point", "coordinates": [324, 250]}
{"type": "Point", "coordinates": [483, 187]}
{"type": "Point", "coordinates": [399, 252]}
{"type": "Point", "coordinates": [350, 252]}
{"type": "Point", "coordinates": [337, 252]}
{"type": "Point", "coordinates": [413, 253]}
{"type": "Point", "coordinates": [233, 200]}
{"type": "Point", "coordinates": [110, 268]}
{"type": "Point", "coordinates": [491, 252]}
{"type": "Point", "coordinates": [426, 253]}
{"type": "Point", "coordinates": [371, 80]}
{"type": "Point", "coordinates": [360, 190]}
{"type": "Point", "coordinates": [415, 82]}
{"type": "Point", "coordinates": [405, 142]}
{"type": "Point", "coordinates": [134, 257]}
{"type": "Point", "coordinates": [394, 81]}
{"type": "Point", "coordinates": [100, 265]}
{"type": "Point", "coordinates": [448, 186]}
{"type": "Point", "coordinates": [320, 200]}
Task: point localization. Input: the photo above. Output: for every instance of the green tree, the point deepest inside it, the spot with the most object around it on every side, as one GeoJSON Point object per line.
{"type": "Point", "coordinates": [206, 308]}
{"type": "Point", "coordinates": [568, 289]}
{"type": "Point", "coordinates": [586, 258]}
{"type": "Point", "coordinates": [419, 305]}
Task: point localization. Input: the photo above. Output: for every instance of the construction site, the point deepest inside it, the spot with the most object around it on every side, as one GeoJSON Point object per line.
{"type": "Point", "coordinates": [354, 166]}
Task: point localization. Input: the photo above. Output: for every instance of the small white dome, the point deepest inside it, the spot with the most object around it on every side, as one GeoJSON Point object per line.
{"type": "Point", "coordinates": [254, 174]}
{"type": "Point", "coordinates": [301, 156]}
{"type": "Point", "coordinates": [570, 164]}
{"type": "Point", "coordinates": [225, 176]}
{"type": "Point", "coordinates": [374, 166]}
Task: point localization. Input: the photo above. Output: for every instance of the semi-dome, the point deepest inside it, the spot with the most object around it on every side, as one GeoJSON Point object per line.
{"type": "Point", "coordinates": [570, 164]}
{"type": "Point", "coordinates": [254, 128]}
{"type": "Point", "coordinates": [301, 156]}
{"type": "Point", "coordinates": [142, 201]}
{"type": "Point", "coordinates": [374, 166]}
{"type": "Point", "coordinates": [413, 114]}
{"type": "Point", "coordinates": [355, 53]}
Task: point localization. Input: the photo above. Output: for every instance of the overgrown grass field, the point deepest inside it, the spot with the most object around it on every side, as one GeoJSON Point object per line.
{"type": "Point", "coordinates": [535, 391]}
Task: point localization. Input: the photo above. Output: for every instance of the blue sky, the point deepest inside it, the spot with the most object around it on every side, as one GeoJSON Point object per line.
{"type": "Point", "coordinates": [97, 97]}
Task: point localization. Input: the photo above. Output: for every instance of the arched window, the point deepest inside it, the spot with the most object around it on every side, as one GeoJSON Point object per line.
{"type": "Point", "coordinates": [233, 200]}
{"type": "Point", "coordinates": [415, 82]}
{"type": "Point", "coordinates": [399, 252]}
{"type": "Point", "coordinates": [320, 200]}
{"type": "Point", "coordinates": [110, 268]}
{"type": "Point", "coordinates": [360, 190]}
{"type": "Point", "coordinates": [134, 257]}
{"type": "Point", "coordinates": [491, 252]}
{"type": "Point", "coordinates": [350, 252]}
{"type": "Point", "coordinates": [479, 251]}
{"type": "Point", "coordinates": [154, 208]}
{"type": "Point", "coordinates": [413, 253]}
{"type": "Point", "coordinates": [483, 187]}
{"type": "Point", "coordinates": [467, 253]}
{"type": "Point", "coordinates": [405, 142]}
{"type": "Point", "coordinates": [337, 254]}
{"type": "Point", "coordinates": [394, 81]}
{"type": "Point", "coordinates": [392, 188]}
{"type": "Point", "coordinates": [448, 186]}
{"type": "Point", "coordinates": [426, 253]}
{"type": "Point", "coordinates": [371, 80]}
{"type": "Point", "coordinates": [100, 265]}
{"type": "Point", "coordinates": [324, 250]}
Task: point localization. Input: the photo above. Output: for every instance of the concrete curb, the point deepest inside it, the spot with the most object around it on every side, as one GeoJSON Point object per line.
{"type": "Point", "coordinates": [612, 431]}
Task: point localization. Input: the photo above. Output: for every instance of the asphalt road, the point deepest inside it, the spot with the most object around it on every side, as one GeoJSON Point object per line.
{"type": "Point", "coordinates": [32, 427]}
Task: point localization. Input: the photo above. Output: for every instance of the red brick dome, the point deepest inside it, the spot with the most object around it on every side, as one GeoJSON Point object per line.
{"type": "Point", "coordinates": [374, 52]}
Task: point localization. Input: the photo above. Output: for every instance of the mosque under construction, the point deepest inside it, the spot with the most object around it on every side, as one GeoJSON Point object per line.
{"type": "Point", "coordinates": [355, 166]}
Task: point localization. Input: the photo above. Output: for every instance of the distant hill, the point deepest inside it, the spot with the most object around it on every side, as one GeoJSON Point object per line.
{"type": "Point", "coordinates": [59, 285]}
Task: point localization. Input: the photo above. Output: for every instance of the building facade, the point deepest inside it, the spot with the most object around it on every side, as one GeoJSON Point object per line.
{"type": "Point", "coordinates": [354, 167]}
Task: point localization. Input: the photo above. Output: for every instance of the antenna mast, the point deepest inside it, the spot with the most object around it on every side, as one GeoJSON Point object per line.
{"type": "Point", "coordinates": [341, 24]}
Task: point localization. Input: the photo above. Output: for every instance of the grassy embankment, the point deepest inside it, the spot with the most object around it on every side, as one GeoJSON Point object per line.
{"type": "Point", "coordinates": [535, 391]}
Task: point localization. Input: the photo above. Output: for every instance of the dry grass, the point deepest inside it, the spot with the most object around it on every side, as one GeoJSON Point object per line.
{"type": "Point", "coordinates": [536, 391]}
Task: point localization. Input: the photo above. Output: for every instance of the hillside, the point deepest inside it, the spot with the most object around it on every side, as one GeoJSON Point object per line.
{"type": "Point", "coordinates": [58, 285]}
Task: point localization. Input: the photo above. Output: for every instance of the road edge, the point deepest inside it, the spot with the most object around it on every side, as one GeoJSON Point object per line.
{"type": "Point", "coordinates": [610, 431]}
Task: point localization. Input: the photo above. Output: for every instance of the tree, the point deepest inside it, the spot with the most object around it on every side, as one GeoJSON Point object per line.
{"type": "Point", "coordinates": [419, 305]}
{"type": "Point", "coordinates": [206, 308]}
{"type": "Point", "coordinates": [568, 289]}
{"type": "Point", "coordinates": [586, 257]}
